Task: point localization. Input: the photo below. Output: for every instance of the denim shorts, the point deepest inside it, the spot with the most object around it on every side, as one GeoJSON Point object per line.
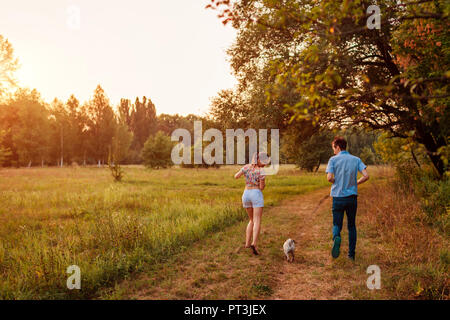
{"type": "Point", "coordinates": [253, 198]}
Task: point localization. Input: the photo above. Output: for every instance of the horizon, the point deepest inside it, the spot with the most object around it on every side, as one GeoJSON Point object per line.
{"type": "Point", "coordinates": [181, 47]}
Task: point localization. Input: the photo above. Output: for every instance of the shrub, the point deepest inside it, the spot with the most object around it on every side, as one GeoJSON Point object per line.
{"type": "Point", "coordinates": [314, 151]}
{"type": "Point", "coordinates": [157, 151]}
{"type": "Point", "coordinates": [118, 150]}
{"type": "Point", "coordinates": [433, 193]}
{"type": "Point", "coordinates": [367, 156]}
{"type": "Point", "coordinates": [397, 151]}
{"type": "Point", "coordinates": [435, 196]}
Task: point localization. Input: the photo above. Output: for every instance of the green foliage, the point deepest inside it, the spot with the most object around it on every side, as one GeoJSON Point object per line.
{"type": "Point", "coordinates": [119, 150]}
{"type": "Point", "coordinates": [69, 137]}
{"type": "Point", "coordinates": [4, 152]}
{"type": "Point", "coordinates": [433, 193]}
{"type": "Point", "coordinates": [102, 124]}
{"type": "Point", "coordinates": [367, 156]}
{"type": "Point", "coordinates": [314, 151]}
{"type": "Point", "coordinates": [397, 151]}
{"type": "Point", "coordinates": [444, 153]}
{"type": "Point", "coordinates": [142, 121]}
{"type": "Point", "coordinates": [319, 61]}
{"type": "Point", "coordinates": [157, 151]}
{"type": "Point", "coordinates": [308, 148]}
{"type": "Point", "coordinates": [360, 143]}
{"type": "Point", "coordinates": [121, 142]}
{"type": "Point", "coordinates": [30, 129]}
{"type": "Point", "coordinates": [416, 176]}
{"type": "Point", "coordinates": [435, 196]}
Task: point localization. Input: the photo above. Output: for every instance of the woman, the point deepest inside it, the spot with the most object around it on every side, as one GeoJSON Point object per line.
{"type": "Point", "coordinates": [252, 199]}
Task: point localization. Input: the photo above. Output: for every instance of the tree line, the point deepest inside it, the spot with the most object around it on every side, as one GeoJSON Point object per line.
{"type": "Point", "coordinates": [34, 133]}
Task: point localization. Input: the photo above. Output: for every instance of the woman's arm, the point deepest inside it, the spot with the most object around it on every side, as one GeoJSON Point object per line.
{"type": "Point", "coordinates": [262, 184]}
{"type": "Point", "coordinates": [238, 174]}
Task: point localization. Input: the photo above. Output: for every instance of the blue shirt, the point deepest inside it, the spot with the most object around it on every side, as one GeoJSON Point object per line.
{"type": "Point", "coordinates": [345, 168]}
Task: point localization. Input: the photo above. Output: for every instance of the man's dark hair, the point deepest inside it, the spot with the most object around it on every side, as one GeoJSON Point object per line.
{"type": "Point", "coordinates": [340, 142]}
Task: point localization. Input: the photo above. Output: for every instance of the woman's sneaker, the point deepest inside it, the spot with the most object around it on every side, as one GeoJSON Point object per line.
{"type": "Point", "coordinates": [336, 247]}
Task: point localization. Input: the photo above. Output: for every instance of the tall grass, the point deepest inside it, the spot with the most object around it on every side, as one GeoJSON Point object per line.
{"type": "Point", "coordinates": [52, 218]}
{"type": "Point", "coordinates": [414, 249]}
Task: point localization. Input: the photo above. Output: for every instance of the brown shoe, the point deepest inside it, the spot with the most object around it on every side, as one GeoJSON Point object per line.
{"type": "Point", "coordinates": [255, 252]}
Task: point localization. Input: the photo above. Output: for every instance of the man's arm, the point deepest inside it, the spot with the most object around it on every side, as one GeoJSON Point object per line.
{"type": "Point", "coordinates": [364, 178]}
{"type": "Point", "coordinates": [330, 171]}
{"type": "Point", "coordinates": [330, 177]}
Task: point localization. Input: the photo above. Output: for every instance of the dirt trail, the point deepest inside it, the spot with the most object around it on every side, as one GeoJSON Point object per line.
{"type": "Point", "coordinates": [311, 276]}
{"type": "Point", "coordinates": [220, 268]}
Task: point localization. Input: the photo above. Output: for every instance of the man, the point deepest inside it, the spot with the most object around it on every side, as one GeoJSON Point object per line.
{"type": "Point", "coordinates": [342, 172]}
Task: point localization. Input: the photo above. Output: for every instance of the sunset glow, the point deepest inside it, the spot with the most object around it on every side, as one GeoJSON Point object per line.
{"type": "Point", "coordinates": [172, 53]}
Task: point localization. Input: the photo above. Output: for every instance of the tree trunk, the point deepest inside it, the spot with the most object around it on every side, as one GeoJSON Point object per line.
{"type": "Point", "coordinates": [437, 163]}
{"type": "Point", "coordinates": [318, 165]}
{"type": "Point", "coordinates": [432, 151]}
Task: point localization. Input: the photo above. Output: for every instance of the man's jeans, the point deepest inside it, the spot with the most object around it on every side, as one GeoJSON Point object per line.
{"type": "Point", "coordinates": [349, 206]}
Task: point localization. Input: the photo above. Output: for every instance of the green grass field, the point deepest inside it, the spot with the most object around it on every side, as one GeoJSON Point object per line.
{"type": "Point", "coordinates": [51, 218]}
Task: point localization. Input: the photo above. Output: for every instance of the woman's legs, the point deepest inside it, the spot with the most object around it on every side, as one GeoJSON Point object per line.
{"type": "Point", "coordinates": [249, 231]}
{"type": "Point", "coordinates": [257, 214]}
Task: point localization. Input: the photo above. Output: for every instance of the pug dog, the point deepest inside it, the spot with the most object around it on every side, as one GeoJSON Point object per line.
{"type": "Point", "coordinates": [289, 249]}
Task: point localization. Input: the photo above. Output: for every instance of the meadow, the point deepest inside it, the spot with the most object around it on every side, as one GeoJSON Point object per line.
{"type": "Point", "coordinates": [52, 218]}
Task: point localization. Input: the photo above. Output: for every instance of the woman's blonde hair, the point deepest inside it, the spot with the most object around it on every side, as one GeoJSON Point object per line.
{"type": "Point", "coordinates": [262, 157]}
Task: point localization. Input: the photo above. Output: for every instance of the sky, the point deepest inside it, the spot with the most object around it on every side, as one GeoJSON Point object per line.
{"type": "Point", "coordinates": [171, 51]}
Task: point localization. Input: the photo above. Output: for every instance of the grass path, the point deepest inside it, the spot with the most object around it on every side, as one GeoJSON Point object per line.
{"type": "Point", "coordinates": [220, 268]}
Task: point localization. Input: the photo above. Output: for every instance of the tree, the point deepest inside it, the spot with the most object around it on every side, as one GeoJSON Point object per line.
{"type": "Point", "coordinates": [360, 141]}
{"type": "Point", "coordinates": [119, 150]}
{"type": "Point", "coordinates": [125, 108]}
{"type": "Point", "coordinates": [368, 156]}
{"type": "Point", "coordinates": [143, 121]}
{"type": "Point", "coordinates": [8, 116]}
{"type": "Point", "coordinates": [31, 131]}
{"type": "Point", "coordinates": [102, 125]}
{"type": "Point", "coordinates": [397, 151]}
{"type": "Point", "coordinates": [8, 66]}
{"type": "Point", "coordinates": [168, 123]}
{"type": "Point", "coordinates": [67, 137]}
{"type": "Point", "coordinates": [314, 151]}
{"type": "Point", "coordinates": [4, 152]}
{"type": "Point", "coordinates": [230, 110]}
{"type": "Point", "coordinates": [157, 151]}
{"type": "Point", "coordinates": [394, 78]}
